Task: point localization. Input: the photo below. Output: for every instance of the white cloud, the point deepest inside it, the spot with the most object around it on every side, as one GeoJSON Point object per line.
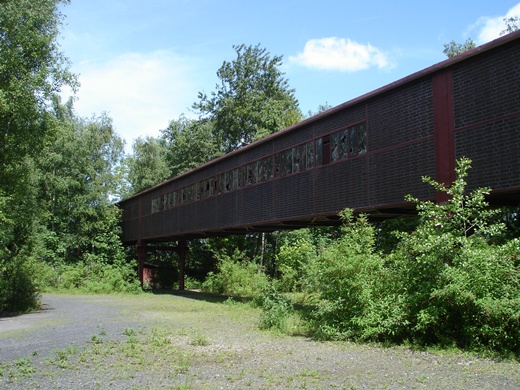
{"type": "Point", "coordinates": [490, 28]}
{"type": "Point", "coordinates": [340, 54]}
{"type": "Point", "coordinates": [140, 92]}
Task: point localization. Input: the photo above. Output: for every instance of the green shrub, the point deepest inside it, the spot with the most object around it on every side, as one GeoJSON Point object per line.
{"type": "Point", "coordinates": [347, 276]}
{"type": "Point", "coordinates": [295, 260]}
{"type": "Point", "coordinates": [276, 309]}
{"type": "Point", "coordinates": [446, 283]}
{"type": "Point", "coordinates": [236, 276]}
{"type": "Point", "coordinates": [97, 278]}
{"type": "Point", "coordinates": [456, 286]}
{"type": "Point", "coordinates": [19, 291]}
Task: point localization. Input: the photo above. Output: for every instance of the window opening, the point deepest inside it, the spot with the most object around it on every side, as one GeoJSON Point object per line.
{"type": "Point", "coordinates": [303, 157]}
{"type": "Point", "coordinates": [288, 161]}
{"type": "Point", "coordinates": [325, 154]}
{"type": "Point", "coordinates": [249, 174]}
{"type": "Point", "coordinates": [295, 160]}
{"type": "Point", "coordinates": [228, 177]}
{"type": "Point", "coordinates": [319, 149]}
{"type": "Point", "coordinates": [200, 191]}
{"type": "Point", "coordinates": [221, 183]}
{"type": "Point", "coordinates": [343, 142]}
{"type": "Point", "coordinates": [362, 144]}
{"type": "Point", "coordinates": [334, 153]}
{"type": "Point", "coordinates": [171, 200]}
{"type": "Point", "coordinates": [269, 168]}
{"type": "Point", "coordinates": [205, 192]}
{"type": "Point", "coordinates": [353, 142]}
{"type": "Point", "coordinates": [234, 184]}
{"type": "Point", "coordinates": [277, 165]}
{"type": "Point", "coordinates": [310, 154]}
{"type": "Point", "coordinates": [193, 192]}
{"type": "Point", "coordinates": [256, 174]}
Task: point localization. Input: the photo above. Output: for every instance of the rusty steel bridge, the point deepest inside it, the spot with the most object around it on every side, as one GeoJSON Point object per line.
{"type": "Point", "coordinates": [365, 154]}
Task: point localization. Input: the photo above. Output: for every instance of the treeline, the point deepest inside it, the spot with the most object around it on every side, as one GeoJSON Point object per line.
{"type": "Point", "coordinates": [59, 173]}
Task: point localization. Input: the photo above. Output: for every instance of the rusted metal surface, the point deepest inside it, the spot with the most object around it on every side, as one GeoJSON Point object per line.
{"type": "Point", "coordinates": [465, 106]}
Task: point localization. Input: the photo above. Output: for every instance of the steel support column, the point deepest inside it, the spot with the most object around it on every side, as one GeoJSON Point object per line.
{"type": "Point", "coordinates": [444, 131]}
{"type": "Point", "coordinates": [141, 256]}
{"type": "Point", "coordinates": [182, 249]}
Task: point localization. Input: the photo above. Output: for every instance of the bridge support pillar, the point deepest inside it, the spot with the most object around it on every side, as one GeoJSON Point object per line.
{"type": "Point", "coordinates": [141, 256]}
{"type": "Point", "coordinates": [182, 249]}
{"type": "Point", "coordinates": [444, 131]}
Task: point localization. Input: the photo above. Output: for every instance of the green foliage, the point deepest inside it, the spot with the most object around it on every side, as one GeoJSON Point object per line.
{"type": "Point", "coordinates": [451, 281]}
{"type": "Point", "coordinates": [147, 166]}
{"type": "Point", "coordinates": [96, 278]}
{"type": "Point", "coordinates": [295, 260]}
{"type": "Point", "coordinates": [276, 308]}
{"type": "Point", "coordinates": [77, 184]}
{"type": "Point", "coordinates": [390, 232]}
{"type": "Point", "coordinates": [19, 292]}
{"type": "Point", "coordinates": [32, 70]}
{"type": "Point", "coordinates": [512, 24]}
{"type": "Point", "coordinates": [346, 279]}
{"type": "Point", "coordinates": [236, 276]}
{"type": "Point", "coordinates": [190, 143]}
{"type": "Point", "coordinates": [253, 99]}
{"type": "Point", "coordinates": [453, 48]}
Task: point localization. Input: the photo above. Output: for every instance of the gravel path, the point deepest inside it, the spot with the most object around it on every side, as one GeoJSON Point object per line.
{"type": "Point", "coordinates": [63, 321]}
{"type": "Point", "coordinates": [211, 346]}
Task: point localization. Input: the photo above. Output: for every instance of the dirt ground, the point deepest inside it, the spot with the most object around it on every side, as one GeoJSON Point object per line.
{"type": "Point", "coordinates": [185, 342]}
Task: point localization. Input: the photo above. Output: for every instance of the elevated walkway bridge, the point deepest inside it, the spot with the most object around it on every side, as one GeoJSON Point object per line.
{"type": "Point", "coordinates": [365, 154]}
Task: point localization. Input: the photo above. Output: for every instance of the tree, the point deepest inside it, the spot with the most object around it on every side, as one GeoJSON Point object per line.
{"type": "Point", "coordinates": [453, 48]}
{"type": "Point", "coordinates": [32, 70]}
{"type": "Point", "coordinates": [78, 184]}
{"type": "Point", "coordinates": [321, 108]}
{"type": "Point", "coordinates": [253, 99]}
{"type": "Point", "coordinates": [190, 143]}
{"type": "Point", "coordinates": [147, 165]}
{"type": "Point", "coordinates": [512, 24]}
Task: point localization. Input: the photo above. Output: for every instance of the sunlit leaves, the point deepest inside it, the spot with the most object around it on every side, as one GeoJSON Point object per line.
{"type": "Point", "coordinates": [252, 100]}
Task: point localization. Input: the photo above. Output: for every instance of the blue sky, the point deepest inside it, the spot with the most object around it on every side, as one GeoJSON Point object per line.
{"type": "Point", "coordinates": [144, 61]}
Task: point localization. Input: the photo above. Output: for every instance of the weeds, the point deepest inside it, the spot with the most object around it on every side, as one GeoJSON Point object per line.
{"type": "Point", "coordinates": [61, 357]}
{"type": "Point", "coordinates": [200, 340]}
{"type": "Point", "coordinates": [169, 352]}
{"type": "Point", "coordinates": [25, 366]}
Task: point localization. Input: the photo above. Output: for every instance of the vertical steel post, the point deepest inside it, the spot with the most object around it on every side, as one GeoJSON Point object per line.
{"type": "Point", "coordinates": [182, 248]}
{"type": "Point", "coordinates": [141, 256]}
{"type": "Point", "coordinates": [444, 131]}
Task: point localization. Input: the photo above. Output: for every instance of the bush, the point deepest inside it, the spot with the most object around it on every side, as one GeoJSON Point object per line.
{"type": "Point", "coordinates": [236, 276]}
{"type": "Point", "coordinates": [347, 276]}
{"type": "Point", "coordinates": [295, 260]}
{"type": "Point", "coordinates": [454, 286]}
{"type": "Point", "coordinates": [19, 292]}
{"type": "Point", "coordinates": [276, 309]}
{"type": "Point", "coordinates": [446, 283]}
{"type": "Point", "coordinates": [97, 278]}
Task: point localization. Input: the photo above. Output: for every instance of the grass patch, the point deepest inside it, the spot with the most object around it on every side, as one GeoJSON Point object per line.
{"type": "Point", "coordinates": [182, 342]}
